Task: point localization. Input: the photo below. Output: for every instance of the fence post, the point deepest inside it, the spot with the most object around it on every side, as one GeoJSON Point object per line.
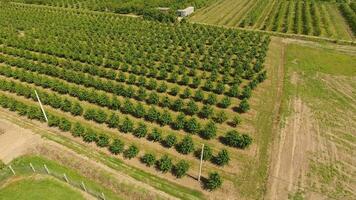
{"type": "Point", "coordinates": [83, 185]}
{"type": "Point", "coordinates": [47, 170]}
{"type": "Point", "coordinates": [65, 178]}
{"type": "Point", "coordinates": [103, 196]}
{"type": "Point", "coordinates": [33, 169]}
{"type": "Point", "coordinates": [12, 170]}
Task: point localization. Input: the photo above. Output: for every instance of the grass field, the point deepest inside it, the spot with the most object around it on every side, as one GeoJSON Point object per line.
{"type": "Point", "coordinates": [306, 17]}
{"type": "Point", "coordinates": [318, 122]}
{"type": "Point", "coordinates": [41, 188]}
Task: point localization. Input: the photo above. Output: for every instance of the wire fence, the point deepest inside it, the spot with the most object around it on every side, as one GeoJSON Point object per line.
{"type": "Point", "coordinates": [10, 171]}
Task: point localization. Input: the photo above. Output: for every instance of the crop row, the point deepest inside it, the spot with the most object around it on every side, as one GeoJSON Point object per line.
{"type": "Point", "coordinates": [109, 48]}
{"type": "Point", "coordinates": [114, 145]}
{"type": "Point", "coordinates": [149, 114]}
{"type": "Point", "coordinates": [349, 14]}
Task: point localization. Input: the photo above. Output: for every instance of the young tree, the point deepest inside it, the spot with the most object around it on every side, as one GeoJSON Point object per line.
{"type": "Point", "coordinates": [234, 139]}
{"type": "Point", "coordinates": [162, 87]}
{"type": "Point", "coordinates": [207, 153]}
{"type": "Point", "coordinates": [222, 158]}
{"type": "Point", "coordinates": [164, 164]}
{"type": "Point", "coordinates": [244, 106]}
{"type": "Point", "coordinates": [211, 100]}
{"type": "Point", "coordinates": [89, 114]}
{"type": "Point", "coordinates": [234, 91]}
{"type": "Point", "coordinates": [236, 121]}
{"type": "Point", "coordinates": [113, 121]}
{"type": "Point", "coordinates": [153, 98]}
{"type": "Point", "coordinates": [77, 109]}
{"type": "Point", "coordinates": [141, 130]}
{"type": "Point", "coordinates": [213, 182]}
{"type": "Point", "coordinates": [220, 117]}
{"type": "Point", "coordinates": [116, 147]}
{"type": "Point", "coordinates": [155, 135]}
{"type": "Point", "coordinates": [191, 108]}
{"type": "Point", "coordinates": [131, 152]}
{"type": "Point", "coordinates": [165, 102]}
{"type": "Point", "coordinates": [127, 107]}
{"type": "Point", "coordinates": [152, 114]}
{"type": "Point", "coordinates": [246, 93]}
{"type": "Point", "coordinates": [170, 140]}
{"type": "Point", "coordinates": [179, 122]}
{"type": "Point", "coordinates": [220, 88]}
{"type": "Point", "coordinates": [64, 124]}
{"type": "Point", "coordinates": [199, 95]}
{"type": "Point", "coordinates": [126, 126]}
{"type": "Point", "coordinates": [165, 118]}
{"type": "Point", "coordinates": [186, 146]}
{"type": "Point", "coordinates": [77, 130]}
{"type": "Point", "coordinates": [115, 103]}
{"type": "Point", "coordinates": [66, 105]}
{"type": "Point", "coordinates": [177, 105]}
{"type": "Point", "coordinates": [139, 111]}
{"type": "Point", "coordinates": [174, 91]}
{"type": "Point", "coordinates": [192, 125]}
{"type": "Point", "coordinates": [149, 159]}
{"type": "Point", "coordinates": [53, 121]}
{"type": "Point", "coordinates": [103, 140]}
{"type": "Point", "coordinates": [225, 102]}
{"type": "Point", "coordinates": [186, 93]}
{"type": "Point", "coordinates": [209, 131]}
{"type": "Point", "coordinates": [181, 168]}
{"type": "Point", "coordinates": [206, 111]}
{"type": "Point", "coordinates": [100, 116]}
{"type": "Point", "coordinates": [90, 136]}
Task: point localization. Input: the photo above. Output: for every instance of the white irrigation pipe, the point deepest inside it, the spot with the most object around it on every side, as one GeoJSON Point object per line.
{"type": "Point", "coordinates": [43, 111]}
{"type": "Point", "coordinates": [201, 161]}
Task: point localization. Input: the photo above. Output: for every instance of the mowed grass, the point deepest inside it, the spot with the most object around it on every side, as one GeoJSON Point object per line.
{"type": "Point", "coordinates": [325, 80]}
{"type": "Point", "coordinates": [35, 189]}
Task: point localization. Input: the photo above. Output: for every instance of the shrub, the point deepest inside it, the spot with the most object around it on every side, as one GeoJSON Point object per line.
{"type": "Point", "coordinates": [77, 110]}
{"type": "Point", "coordinates": [90, 136]}
{"type": "Point", "coordinates": [236, 121]}
{"type": "Point", "coordinates": [206, 111]}
{"type": "Point", "coordinates": [149, 159]}
{"type": "Point", "coordinates": [141, 130]}
{"type": "Point", "coordinates": [209, 131]}
{"type": "Point", "coordinates": [164, 164]}
{"type": "Point", "coordinates": [165, 118]}
{"type": "Point", "coordinates": [53, 121]}
{"type": "Point", "coordinates": [207, 153]}
{"type": "Point", "coordinates": [181, 168]}
{"type": "Point", "coordinates": [192, 125]}
{"type": "Point", "coordinates": [225, 102]}
{"type": "Point", "coordinates": [244, 106]}
{"type": "Point", "coordinates": [155, 135]}
{"type": "Point", "coordinates": [186, 146]}
{"type": "Point", "coordinates": [126, 126]}
{"type": "Point", "coordinates": [213, 182]}
{"type": "Point", "coordinates": [220, 117]}
{"type": "Point", "coordinates": [222, 158]}
{"type": "Point", "coordinates": [170, 140]}
{"type": "Point", "coordinates": [131, 152]}
{"type": "Point", "coordinates": [234, 139]}
{"type": "Point", "coordinates": [102, 141]}
{"type": "Point", "coordinates": [116, 147]}
{"type": "Point", "coordinates": [77, 130]}
{"type": "Point", "coordinates": [64, 124]}
{"type": "Point", "coordinates": [113, 121]}
{"type": "Point", "coordinates": [179, 122]}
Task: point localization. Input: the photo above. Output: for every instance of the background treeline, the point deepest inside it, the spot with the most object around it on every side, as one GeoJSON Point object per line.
{"type": "Point", "coordinates": [146, 8]}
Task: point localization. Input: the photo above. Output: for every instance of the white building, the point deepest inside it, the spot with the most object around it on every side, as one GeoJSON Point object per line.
{"type": "Point", "coordinates": [185, 12]}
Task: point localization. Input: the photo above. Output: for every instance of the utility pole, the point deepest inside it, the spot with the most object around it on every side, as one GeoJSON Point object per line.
{"type": "Point", "coordinates": [201, 161]}
{"type": "Point", "coordinates": [43, 111]}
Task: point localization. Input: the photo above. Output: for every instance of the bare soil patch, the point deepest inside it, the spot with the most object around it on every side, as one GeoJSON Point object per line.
{"type": "Point", "coordinates": [15, 141]}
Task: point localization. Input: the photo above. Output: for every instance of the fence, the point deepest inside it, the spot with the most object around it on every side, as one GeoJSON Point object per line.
{"type": "Point", "coordinates": [9, 171]}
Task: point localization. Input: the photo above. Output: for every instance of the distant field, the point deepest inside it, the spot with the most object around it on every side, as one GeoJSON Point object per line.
{"type": "Point", "coordinates": [307, 17]}
{"type": "Point", "coordinates": [38, 188]}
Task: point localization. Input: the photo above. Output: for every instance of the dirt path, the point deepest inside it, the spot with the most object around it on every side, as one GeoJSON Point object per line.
{"type": "Point", "coordinates": [15, 141]}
